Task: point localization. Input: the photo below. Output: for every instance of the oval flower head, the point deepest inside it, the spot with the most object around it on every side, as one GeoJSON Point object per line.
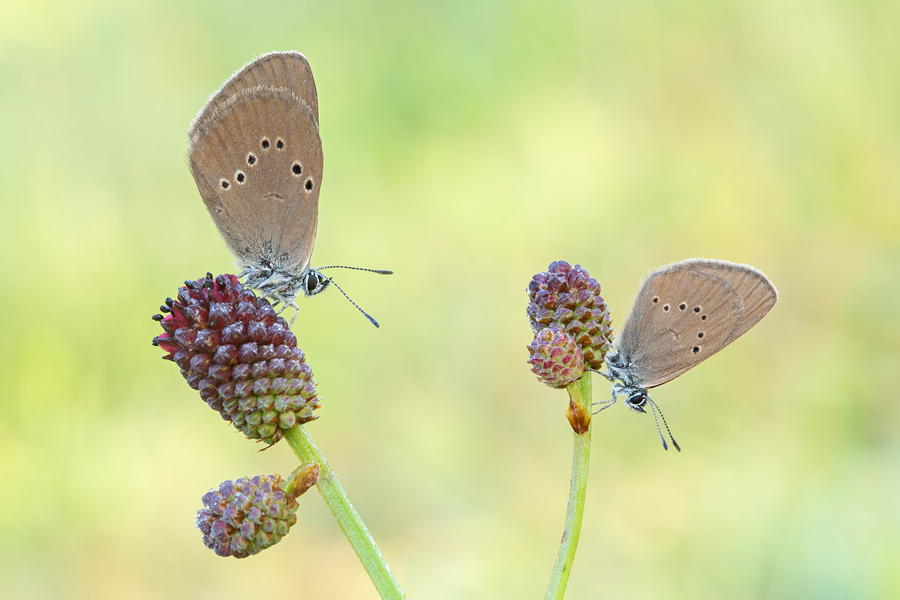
{"type": "Point", "coordinates": [240, 356]}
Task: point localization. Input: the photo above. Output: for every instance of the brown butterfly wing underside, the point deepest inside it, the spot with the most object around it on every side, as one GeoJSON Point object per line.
{"type": "Point", "coordinates": [256, 156]}
{"type": "Point", "coordinates": [288, 70]}
{"type": "Point", "coordinates": [686, 312]}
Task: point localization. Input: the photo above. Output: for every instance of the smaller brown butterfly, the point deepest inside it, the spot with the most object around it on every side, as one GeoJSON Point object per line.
{"type": "Point", "coordinates": [683, 314]}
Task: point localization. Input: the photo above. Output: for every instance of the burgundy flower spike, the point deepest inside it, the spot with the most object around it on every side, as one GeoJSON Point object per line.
{"type": "Point", "coordinates": [240, 356]}
{"type": "Point", "coordinates": [571, 323]}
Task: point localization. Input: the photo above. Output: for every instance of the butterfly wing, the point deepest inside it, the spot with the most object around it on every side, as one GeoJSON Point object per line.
{"type": "Point", "coordinates": [686, 312]}
{"type": "Point", "coordinates": [256, 157]}
{"type": "Point", "coordinates": [288, 70]}
{"type": "Point", "coordinates": [756, 292]}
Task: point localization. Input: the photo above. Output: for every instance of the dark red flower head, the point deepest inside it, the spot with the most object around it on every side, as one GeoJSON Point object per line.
{"type": "Point", "coordinates": [568, 299]}
{"type": "Point", "coordinates": [240, 356]}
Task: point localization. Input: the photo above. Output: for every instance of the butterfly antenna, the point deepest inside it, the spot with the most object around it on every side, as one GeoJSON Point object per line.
{"type": "Point", "coordinates": [655, 409]}
{"type": "Point", "coordinates": [367, 315]}
{"type": "Point", "coordinates": [379, 271]}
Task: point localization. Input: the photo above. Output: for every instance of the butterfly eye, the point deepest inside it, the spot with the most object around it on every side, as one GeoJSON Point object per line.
{"type": "Point", "coordinates": [312, 282]}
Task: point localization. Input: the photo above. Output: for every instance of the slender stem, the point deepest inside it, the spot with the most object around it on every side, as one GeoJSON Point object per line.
{"type": "Point", "coordinates": [580, 402]}
{"type": "Point", "coordinates": [346, 516]}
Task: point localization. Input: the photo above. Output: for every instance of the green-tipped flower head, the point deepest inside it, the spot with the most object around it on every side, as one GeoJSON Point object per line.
{"type": "Point", "coordinates": [555, 358]}
{"type": "Point", "coordinates": [567, 298]}
{"type": "Point", "coordinates": [240, 356]}
{"type": "Point", "coordinates": [246, 516]}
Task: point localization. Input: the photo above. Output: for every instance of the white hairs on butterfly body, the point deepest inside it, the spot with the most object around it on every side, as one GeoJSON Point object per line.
{"type": "Point", "coordinates": [283, 289]}
{"type": "Point", "coordinates": [282, 286]}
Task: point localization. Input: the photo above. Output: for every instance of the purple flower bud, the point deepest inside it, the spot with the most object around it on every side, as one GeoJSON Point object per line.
{"type": "Point", "coordinates": [555, 358]}
{"type": "Point", "coordinates": [567, 298]}
{"type": "Point", "coordinates": [246, 516]}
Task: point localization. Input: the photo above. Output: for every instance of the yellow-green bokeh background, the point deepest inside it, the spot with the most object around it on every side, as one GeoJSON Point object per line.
{"type": "Point", "coordinates": [467, 145]}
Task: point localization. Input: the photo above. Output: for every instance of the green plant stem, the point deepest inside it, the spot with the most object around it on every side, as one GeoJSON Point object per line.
{"type": "Point", "coordinates": [346, 516]}
{"type": "Point", "coordinates": [580, 395]}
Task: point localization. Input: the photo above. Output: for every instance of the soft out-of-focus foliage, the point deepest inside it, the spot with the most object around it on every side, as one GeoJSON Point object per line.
{"type": "Point", "coordinates": [467, 145]}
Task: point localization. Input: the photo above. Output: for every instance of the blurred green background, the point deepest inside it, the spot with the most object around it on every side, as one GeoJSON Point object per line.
{"type": "Point", "coordinates": [468, 144]}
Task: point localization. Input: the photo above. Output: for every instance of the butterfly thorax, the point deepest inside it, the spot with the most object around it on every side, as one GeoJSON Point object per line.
{"type": "Point", "coordinates": [283, 286]}
{"type": "Point", "coordinates": [621, 372]}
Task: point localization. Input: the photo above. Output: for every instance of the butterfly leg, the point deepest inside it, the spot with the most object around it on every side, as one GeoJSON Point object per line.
{"type": "Point", "coordinates": [276, 297]}
{"type": "Point", "coordinates": [603, 405]}
{"type": "Point", "coordinates": [608, 376]}
{"type": "Point", "coordinates": [296, 308]}
{"type": "Point", "coordinates": [607, 403]}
